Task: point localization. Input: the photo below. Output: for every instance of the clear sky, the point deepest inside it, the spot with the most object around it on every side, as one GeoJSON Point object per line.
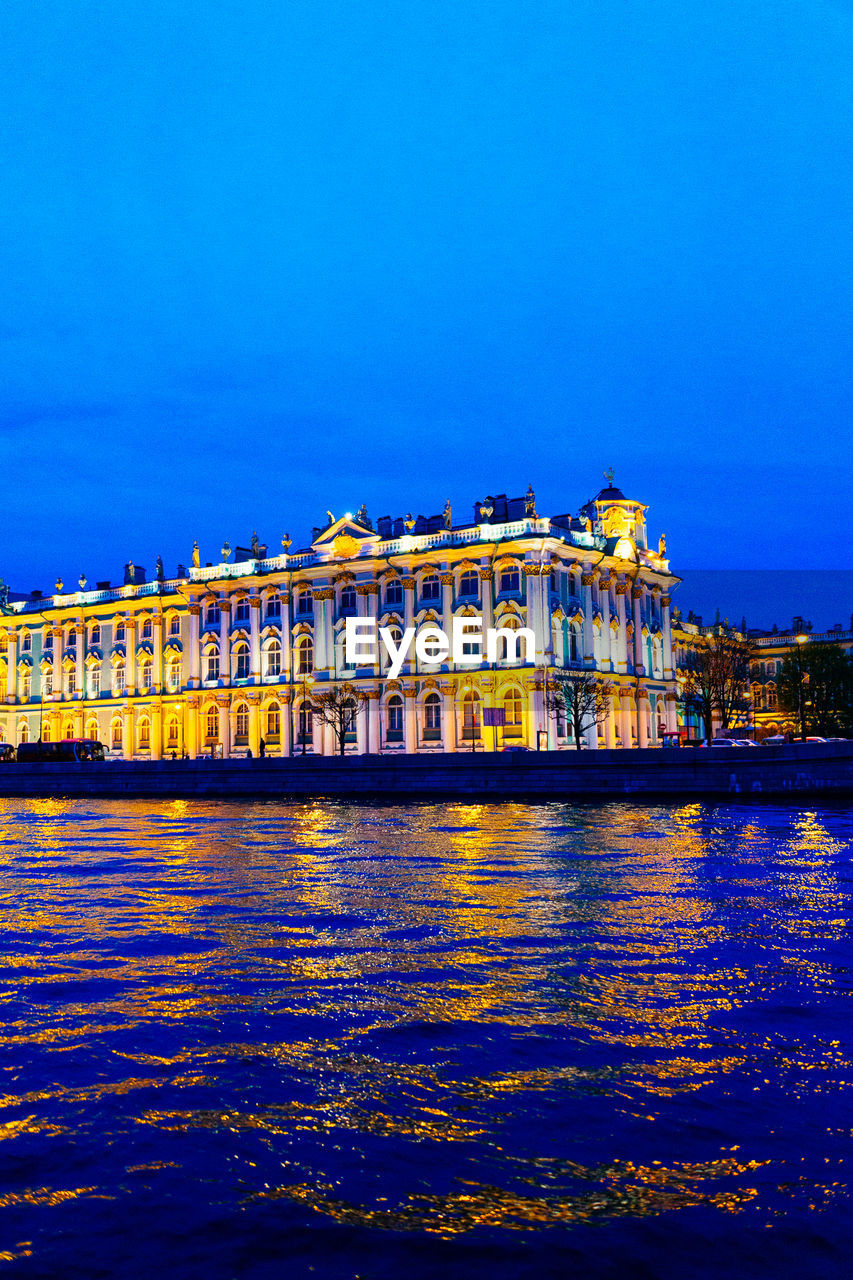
{"type": "Point", "coordinates": [268, 257]}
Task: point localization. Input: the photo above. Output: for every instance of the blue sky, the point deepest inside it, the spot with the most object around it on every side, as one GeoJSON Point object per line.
{"type": "Point", "coordinates": [263, 259]}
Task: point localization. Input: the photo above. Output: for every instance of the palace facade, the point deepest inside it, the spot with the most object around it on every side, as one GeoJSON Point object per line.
{"type": "Point", "coordinates": [223, 656]}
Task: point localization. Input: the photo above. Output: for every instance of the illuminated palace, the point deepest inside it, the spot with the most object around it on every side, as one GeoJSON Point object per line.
{"type": "Point", "coordinates": [224, 658]}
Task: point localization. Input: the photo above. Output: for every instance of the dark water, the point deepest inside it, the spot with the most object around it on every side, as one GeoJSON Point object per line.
{"type": "Point", "coordinates": [446, 1040]}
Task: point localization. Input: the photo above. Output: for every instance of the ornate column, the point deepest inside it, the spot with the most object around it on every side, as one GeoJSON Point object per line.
{"type": "Point", "coordinates": [666, 627]}
{"type": "Point", "coordinates": [639, 657]}
{"type": "Point", "coordinates": [12, 668]}
{"type": "Point", "coordinates": [487, 610]}
{"type": "Point", "coordinates": [408, 616]}
{"type": "Point", "coordinates": [79, 661]}
{"type": "Point", "coordinates": [286, 623]}
{"type": "Point", "coordinates": [223, 702]}
{"type": "Point", "coordinates": [610, 721]}
{"type": "Point", "coordinates": [535, 613]}
{"type": "Point", "coordinates": [286, 723]}
{"type": "Point", "coordinates": [410, 726]}
{"type": "Point", "coordinates": [157, 730]}
{"type": "Point", "coordinates": [191, 722]}
{"type": "Point", "coordinates": [192, 666]}
{"type": "Point", "coordinates": [587, 580]}
{"type": "Point", "coordinates": [671, 712]}
{"type": "Point", "coordinates": [225, 674]}
{"type": "Point", "coordinates": [255, 638]}
{"type": "Point", "coordinates": [625, 700]}
{"type": "Point", "coordinates": [643, 708]}
{"type": "Point", "coordinates": [622, 589]}
{"type": "Point", "coordinates": [604, 604]}
{"type": "Point", "coordinates": [57, 664]}
{"type": "Point", "coordinates": [446, 580]}
{"type": "Point", "coordinates": [448, 717]}
{"type": "Point", "coordinates": [127, 731]}
{"type": "Point", "coordinates": [538, 719]}
{"type": "Point", "coordinates": [373, 721]}
{"type": "Point", "coordinates": [366, 594]}
{"type": "Point", "coordinates": [361, 729]}
{"type": "Point", "coordinates": [130, 680]}
{"type": "Point", "coordinates": [157, 627]}
{"type": "Point", "coordinates": [323, 652]}
{"type": "Point", "coordinates": [254, 701]}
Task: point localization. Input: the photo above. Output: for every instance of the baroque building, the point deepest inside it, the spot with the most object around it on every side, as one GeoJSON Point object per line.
{"type": "Point", "coordinates": [226, 655]}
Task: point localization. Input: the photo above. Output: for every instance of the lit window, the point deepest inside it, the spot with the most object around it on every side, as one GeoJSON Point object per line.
{"type": "Point", "coordinates": [174, 674]}
{"type": "Point", "coordinates": [305, 722]}
{"type": "Point", "coordinates": [304, 657]}
{"type": "Point", "coordinates": [432, 716]}
{"type": "Point", "coordinates": [212, 723]}
{"type": "Point", "coordinates": [273, 658]}
{"type": "Point", "coordinates": [94, 682]}
{"type": "Point", "coordinates": [145, 669]}
{"type": "Point", "coordinates": [212, 661]}
{"type": "Point", "coordinates": [471, 716]}
{"type": "Point", "coordinates": [26, 686]}
{"type": "Point", "coordinates": [144, 734]}
{"type": "Point", "coordinates": [241, 722]}
{"type": "Point", "coordinates": [241, 661]}
{"type": "Point", "coordinates": [273, 720]}
{"type": "Point", "coordinates": [118, 678]}
{"type": "Point", "coordinates": [116, 733]}
{"type": "Point", "coordinates": [512, 708]}
{"type": "Point", "coordinates": [394, 712]}
{"type": "Point", "coordinates": [25, 732]}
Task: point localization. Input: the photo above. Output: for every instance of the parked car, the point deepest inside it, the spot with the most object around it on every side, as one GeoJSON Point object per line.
{"type": "Point", "coordinates": [815, 739]}
{"type": "Point", "coordinates": [724, 742]}
{"type": "Point", "coordinates": [745, 742]}
{"type": "Point", "coordinates": [776, 740]}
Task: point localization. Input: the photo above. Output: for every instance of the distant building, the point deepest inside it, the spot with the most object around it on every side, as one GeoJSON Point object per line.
{"type": "Point", "coordinates": [222, 656]}
{"type": "Point", "coordinates": [770, 648]}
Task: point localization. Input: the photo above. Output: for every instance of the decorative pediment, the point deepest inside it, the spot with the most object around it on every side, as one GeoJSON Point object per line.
{"type": "Point", "coordinates": [345, 538]}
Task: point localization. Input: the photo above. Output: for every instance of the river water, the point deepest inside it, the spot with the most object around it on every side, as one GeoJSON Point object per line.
{"type": "Point", "coordinates": [327, 1040]}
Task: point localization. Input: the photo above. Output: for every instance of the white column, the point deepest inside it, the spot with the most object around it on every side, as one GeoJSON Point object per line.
{"type": "Point", "coordinates": [192, 666]}
{"type": "Point", "coordinates": [158, 653]}
{"type": "Point", "coordinates": [254, 723]}
{"type": "Point", "coordinates": [127, 732]}
{"type": "Point", "coordinates": [625, 716]}
{"type": "Point", "coordinates": [448, 718]}
{"type": "Point", "coordinates": [486, 589]}
{"type": "Point", "coordinates": [368, 607]}
{"type": "Point", "coordinates": [408, 614]}
{"type": "Point", "coordinates": [671, 713]}
{"type": "Point", "coordinates": [286, 723]}
{"type": "Point", "coordinates": [535, 612]}
{"type": "Point", "coordinates": [587, 580]}
{"type": "Point", "coordinates": [666, 627]}
{"type": "Point", "coordinates": [286, 624]}
{"type": "Point", "coordinates": [604, 602]}
{"type": "Point", "coordinates": [642, 717]}
{"type": "Point", "coordinates": [157, 730]}
{"type": "Point", "coordinates": [639, 656]}
{"type": "Point", "coordinates": [225, 673]}
{"type": "Point", "coordinates": [622, 588]}
{"type": "Point", "coordinates": [255, 637]}
{"type": "Point", "coordinates": [224, 705]}
{"type": "Point", "coordinates": [320, 658]}
{"type": "Point", "coordinates": [79, 661]}
{"type": "Point", "coordinates": [130, 677]}
{"type": "Point", "coordinates": [610, 722]}
{"type": "Point", "coordinates": [373, 722]}
{"type": "Point", "coordinates": [361, 728]}
{"type": "Point", "coordinates": [12, 668]}
{"type": "Point", "coordinates": [409, 720]}
{"type": "Point", "coordinates": [446, 580]}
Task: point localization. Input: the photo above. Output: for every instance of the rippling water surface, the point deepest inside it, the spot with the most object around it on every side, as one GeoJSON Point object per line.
{"type": "Point", "coordinates": [485, 1040]}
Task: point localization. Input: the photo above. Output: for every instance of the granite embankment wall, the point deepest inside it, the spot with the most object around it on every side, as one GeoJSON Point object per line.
{"type": "Point", "coordinates": [798, 770]}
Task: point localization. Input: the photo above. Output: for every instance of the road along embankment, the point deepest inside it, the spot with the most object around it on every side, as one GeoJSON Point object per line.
{"type": "Point", "coordinates": [789, 772]}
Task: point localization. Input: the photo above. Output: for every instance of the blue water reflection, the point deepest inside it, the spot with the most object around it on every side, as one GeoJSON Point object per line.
{"type": "Point", "coordinates": [485, 1040]}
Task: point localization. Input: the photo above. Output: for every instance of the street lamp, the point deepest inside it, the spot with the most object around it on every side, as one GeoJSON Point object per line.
{"type": "Point", "coordinates": [802, 679]}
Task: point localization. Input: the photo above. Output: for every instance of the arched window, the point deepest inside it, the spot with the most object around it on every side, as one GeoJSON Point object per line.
{"type": "Point", "coordinates": [95, 634]}
{"type": "Point", "coordinates": [305, 722]}
{"type": "Point", "coordinates": [26, 642]}
{"type": "Point", "coordinates": [304, 656]}
{"type": "Point", "coordinates": [211, 660]}
{"type": "Point", "coordinates": [174, 673]}
{"type": "Point", "coordinates": [118, 679]}
{"type": "Point", "coordinates": [68, 729]}
{"type": "Point", "coordinates": [146, 667]}
{"type": "Point", "coordinates": [92, 730]}
{"type": "Point", "coordinates": [48, 641]}
{"type": "Point", "coordinates": [432, 716]}
{"type": "Point", "coordinates": [24, 733]}
{"type": "Point", "coordinates": [146, 629]}
{"type": "Point", "coordinates": [394, 591]}
{"type": "Point", "coordinates": [513, 708]}
{"type": "Point", "coordinates": [469, 583]}
{"type": "Point", "coordinates": [274, 605]}
{"type": "Point", "coordinates": [241, 723]}
{"type": "Point", "coordinates": [72, 637]}
{"type": "Point", "coordinates": [144, 736]}
{"type": "Point", "coordinates": [241, 660]}
{"type": "Point", "coordinates": [212, 723]}
{"type": "Point", "coordinates": [172, 736]}
{"type": "Point", "coordinates": [241, 610]}
{"type": "Point", "coordinates": [573, 584]}
{"type": "Point", "coordinates": [574, 642]}
{"type": "Point", "coordinates": [552, 580]}
{"type": "Point", "coordinates": [430, 587]}
{"type": "Point", "coordinates": [510, 579]}
{"type": "Point", "coordinates": [304, 600]}
{"type": "Point", "coordinates": [175, 624]}
{"type": "Point", "coordinates": [47, 683]}
{"type": "Point", "coordinates": [471, 716]}
{"type": "Point", "coordinates": [394, 718]}
{"type": "Point", "coordinates": [348, 602]}
{"type": "Point", "coordinates": [212, 616]}
{"type": "Point", "coordinates": [273, 721]}
{"type": "Point", "coordinates": [26, 684]}
{"type": "Point", "coordinates": [115, 733]}
{"type": "Point", "coordinates": [272, 658]}
{"type": "Point", "coordinates": [119, 634]}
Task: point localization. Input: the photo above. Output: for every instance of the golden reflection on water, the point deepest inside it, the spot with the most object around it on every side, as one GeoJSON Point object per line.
{"type": "Point", "coordinates": [610, 931]}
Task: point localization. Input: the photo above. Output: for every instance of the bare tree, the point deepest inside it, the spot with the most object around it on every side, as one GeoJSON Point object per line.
{"type": "Point", "coordinates": [580, 698]}
{"type": "Point", "coordinates": [339, 707]}
{"type": "Point", "coordinates": [714, 677]}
